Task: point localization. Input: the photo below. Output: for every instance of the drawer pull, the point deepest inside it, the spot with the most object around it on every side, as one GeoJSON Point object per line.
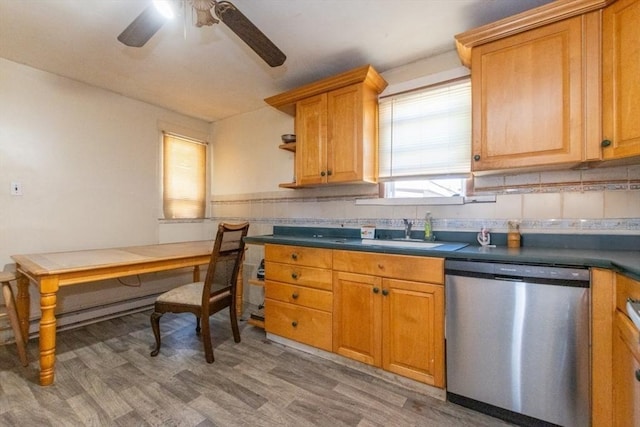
{"type": "Point", "coordinates": [376, 290]}
{"type": "Point", "coordinates": [385, 292]}
{"type": "Point", "coordinates": [294, 275]}
{"type": "Point", "coordinates": [294, 256]}
{"type": "Point", "coordinates": [381, 266]}
{"type": "Point", "coordinates": [294, 295]}
{"type": "Point", "coordinates": [638, 374]}
{"type": "Point", "coordinates": [294, 323]}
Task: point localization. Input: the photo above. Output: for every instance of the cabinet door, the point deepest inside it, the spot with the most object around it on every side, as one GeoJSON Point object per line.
{"type": "Point", "coordinates": [344, 134]}
{"type": "Point", "coordinates": [356, 317]}
{"type": "Point", "coordinates": [311, 135]}
{"type": "Point", "coordinates": [626, 373]}
{"type": "Point", "coordinates": [621, 79]}
{"type": "Point", "coordinates": [413, 330]}
{"type": "Point", "coordinates": [527, 97]}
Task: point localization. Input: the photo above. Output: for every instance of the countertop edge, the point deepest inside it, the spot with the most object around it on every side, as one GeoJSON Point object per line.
{"type": "Point", "coordinates": [624, 262]}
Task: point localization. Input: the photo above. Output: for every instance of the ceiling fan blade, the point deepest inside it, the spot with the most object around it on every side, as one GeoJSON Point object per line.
{"type": "Point", "coordinates": [142, 28]}
{"type": "Point", "coordinates": [249, 33]}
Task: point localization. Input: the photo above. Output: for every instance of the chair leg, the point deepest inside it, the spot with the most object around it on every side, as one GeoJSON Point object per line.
{"type": "Point", "coordinates": [10, 303]}
{"type": "Point", "coordinates": [155, 326]}
{"type": "Point", "coordinates": [206, 340]}
{"type": "Point", "coordinates": [233, 315]}
{"type": "Point", "coordinates": [197, 325]}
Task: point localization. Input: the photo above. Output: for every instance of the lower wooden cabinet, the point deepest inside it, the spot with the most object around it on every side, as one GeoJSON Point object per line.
{"type": "Point", "coordinates": [391, 323]}
{"type": "Point", "coordinates": [379, 309]}
{"type": "Point", "coordinates": [626, 357]}
{"type": "Point", "coordinates": [626, 372]}
{"type": "Point", "coordinates": [298, 294]}
{"type": "Point", "coordinates": [304, 325]}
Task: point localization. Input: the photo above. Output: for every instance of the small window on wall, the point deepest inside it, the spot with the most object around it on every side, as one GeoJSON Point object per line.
{"type": "Point", "coordinates": [184, 177]}
{"type": "Point", "coordinates": [425, 141]}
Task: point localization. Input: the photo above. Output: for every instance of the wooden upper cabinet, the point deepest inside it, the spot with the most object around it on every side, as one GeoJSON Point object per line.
{"type": "Point", "coordinates": [527, 92]}
{"type": "Point", "coordinates": [550, 84]}
{"type": "Point", "coordinates": [621, 79]}
{"type": "Point", "coordinates": [336, 125]}
{"type": "Point", "coordinates": [311, 127]}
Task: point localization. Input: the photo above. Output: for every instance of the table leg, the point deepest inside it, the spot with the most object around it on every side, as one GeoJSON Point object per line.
{"type": "Point", "coordinates": [48, 290]}
{"type": "Point", "coordinates": [23, 305]}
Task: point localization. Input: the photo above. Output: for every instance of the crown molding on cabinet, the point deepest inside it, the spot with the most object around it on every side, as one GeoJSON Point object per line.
{"type": "Point", "coordinates": [537, 17]}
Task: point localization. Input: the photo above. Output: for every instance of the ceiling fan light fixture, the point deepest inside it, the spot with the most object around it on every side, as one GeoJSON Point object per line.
{"type": "Point", "coordinates": [165, 8]}
{"type": "Point", "coordinates": [203, 12]}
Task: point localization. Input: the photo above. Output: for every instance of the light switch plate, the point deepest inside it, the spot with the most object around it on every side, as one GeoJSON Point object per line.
{"type": "Point", "coordinates": [16, 188]}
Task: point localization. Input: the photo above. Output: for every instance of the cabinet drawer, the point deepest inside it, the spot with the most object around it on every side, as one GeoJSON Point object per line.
{"type": "Point", "coordinates": [299, 295]}
{"type": "Point", "coordinates": [629, 334]}
{"type": "Point", "coordinates": [298, 255]}
{"type": "Point", "coordinates": [404, 267]}
{"type": "Point", "coordinates": [305, 325]}
{"type": "Point", "coordinates": [626, 288]}
{"type": "Point", "coordinates": [298, 275]}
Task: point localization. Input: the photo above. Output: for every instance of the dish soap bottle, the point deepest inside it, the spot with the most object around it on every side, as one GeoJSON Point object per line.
{"type": "Point", "coordinates": [513, 236]}
{"type": "Point", "coordinates": [428, 230]}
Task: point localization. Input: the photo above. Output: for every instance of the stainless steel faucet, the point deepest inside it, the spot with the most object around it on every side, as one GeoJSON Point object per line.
{"type": "Point", "coordinates": [407, 228]}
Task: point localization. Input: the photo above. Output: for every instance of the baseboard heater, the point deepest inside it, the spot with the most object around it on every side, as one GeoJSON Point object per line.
{"type": "Point", "coordinates": [87, 316]}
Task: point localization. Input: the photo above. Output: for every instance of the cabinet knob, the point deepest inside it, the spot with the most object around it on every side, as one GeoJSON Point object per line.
{"type": "Point", "coordinates": [329, 172]}
{"type": "Point", "coordinates": [294, 275]}
{"type": "Point", "coordinates": [376, 290]}
{"type": "Point", "coordinates": [638, 374]}
{"type": "Point", "coordinates": [294, 323]}
{"type": "Point", "coordinates": [385, 292]}
{"type": "Point", "coordinates": [294, 295]}
{"type": "Point", "coordinates": [605, 143]}
{"type": "Point", "coordinates": [476, 157]}
{"type": "Point", "coordinates": [381, 266]}
{"type": "Point", "coordinates": [294, 256]}
{"type": "Point", "coordinates": [323, 173]}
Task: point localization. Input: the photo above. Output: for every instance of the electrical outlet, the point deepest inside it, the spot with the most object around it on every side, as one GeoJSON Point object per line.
{"type": "Point", "coordinates": [16, 189]}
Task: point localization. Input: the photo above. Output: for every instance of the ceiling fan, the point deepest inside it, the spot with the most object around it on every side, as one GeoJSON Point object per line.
{"type": "Point", "coordinates": [145, 25]}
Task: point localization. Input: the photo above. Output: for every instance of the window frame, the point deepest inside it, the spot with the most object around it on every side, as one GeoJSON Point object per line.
{"type": "Point", "coordinates": [190, 138]}
{"type": "Point", "coordinates": [429, 81]}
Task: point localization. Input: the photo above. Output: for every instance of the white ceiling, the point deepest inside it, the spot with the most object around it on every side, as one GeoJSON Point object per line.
{"type": "Point", "coordinates": [208, 72]}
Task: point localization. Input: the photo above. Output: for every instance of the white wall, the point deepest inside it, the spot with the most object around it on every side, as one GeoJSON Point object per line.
{"type": "Point", "coordinates": [88, 162]}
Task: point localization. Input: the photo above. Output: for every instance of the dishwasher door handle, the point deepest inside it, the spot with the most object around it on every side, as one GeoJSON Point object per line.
{"type": "Point", "coordinates": [509, 279]}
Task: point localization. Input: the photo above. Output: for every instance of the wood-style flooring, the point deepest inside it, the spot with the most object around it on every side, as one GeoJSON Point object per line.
{"type": "Point", "coordinates": [105, 377]}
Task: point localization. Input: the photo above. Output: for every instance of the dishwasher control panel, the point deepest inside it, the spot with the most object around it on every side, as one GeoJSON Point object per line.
{"type": "Point", "coordinates": [518, 270]}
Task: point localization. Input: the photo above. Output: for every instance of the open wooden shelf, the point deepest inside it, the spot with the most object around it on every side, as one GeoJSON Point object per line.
{"type": "Point", "coordinates": [256, 282]}
{"type": "Point", "coordinates": [288, 147]}
{"type": "Point", "coordinates": [256, 318]}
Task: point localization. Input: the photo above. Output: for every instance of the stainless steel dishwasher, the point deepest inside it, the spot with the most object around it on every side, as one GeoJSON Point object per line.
{"type": "Point", "coordinates": [517, 341]}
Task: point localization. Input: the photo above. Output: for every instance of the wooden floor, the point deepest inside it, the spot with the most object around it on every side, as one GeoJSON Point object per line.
{"type": "Point", "coordinates": [105, 377]}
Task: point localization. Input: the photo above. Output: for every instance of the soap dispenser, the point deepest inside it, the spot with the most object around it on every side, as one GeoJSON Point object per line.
{"type": "Point", "coordinates": [513, 236]}
{"type": "Point", "coordinates": [428, 227]}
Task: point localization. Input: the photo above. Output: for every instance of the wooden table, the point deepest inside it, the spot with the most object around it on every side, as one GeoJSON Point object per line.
{"type": "Point", "coordinates": [50, 271]}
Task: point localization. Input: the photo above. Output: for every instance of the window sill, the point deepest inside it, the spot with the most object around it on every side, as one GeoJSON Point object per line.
{"type": "Point", "coordinates": [426, 201]}
{"type": "Point", "coordinates": [181, 220]}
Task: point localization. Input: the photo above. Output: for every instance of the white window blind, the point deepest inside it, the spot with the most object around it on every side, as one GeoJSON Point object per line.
{"type": "Point", "coordinates": [426, 132]}
{"type": "Point", "coordinates": [184, 177]}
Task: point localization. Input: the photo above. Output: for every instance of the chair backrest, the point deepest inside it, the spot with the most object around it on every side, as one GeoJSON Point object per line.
{"type": "Point", "coordinates": [228, 249]}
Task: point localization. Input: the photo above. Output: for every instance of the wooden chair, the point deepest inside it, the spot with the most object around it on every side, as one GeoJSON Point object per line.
{"type": "Point", "coordinates": [11, 313]}
{"type": "Point", "coordinates": [209, 297]}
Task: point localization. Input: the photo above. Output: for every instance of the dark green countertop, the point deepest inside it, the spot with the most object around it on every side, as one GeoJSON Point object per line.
{"type": "Point", "coordinates": [626, 261]}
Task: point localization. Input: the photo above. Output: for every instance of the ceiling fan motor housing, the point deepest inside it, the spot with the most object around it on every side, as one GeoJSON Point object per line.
{"type": "Point", "coordinates": [203, 12]}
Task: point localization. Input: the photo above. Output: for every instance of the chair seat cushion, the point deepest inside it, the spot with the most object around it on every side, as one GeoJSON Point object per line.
{"type": "Point", "coordinates": [191, 294]}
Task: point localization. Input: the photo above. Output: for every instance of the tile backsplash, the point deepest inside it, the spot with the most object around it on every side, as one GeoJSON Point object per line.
{"type": "Point", "coordinates": [587, 201]}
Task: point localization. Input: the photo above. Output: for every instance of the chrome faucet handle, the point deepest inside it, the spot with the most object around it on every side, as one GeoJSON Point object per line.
{"type": "Point", "coordinates": [407, 227]}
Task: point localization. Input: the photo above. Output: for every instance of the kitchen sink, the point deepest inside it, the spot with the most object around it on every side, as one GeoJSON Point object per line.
{"type": "Point", "coordinates": [414, 244]}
